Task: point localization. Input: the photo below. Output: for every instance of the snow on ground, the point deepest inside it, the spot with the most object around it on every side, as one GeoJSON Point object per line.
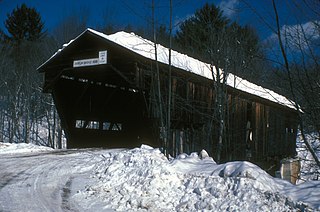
{"type": "Point", "coordinates": [8, 148]}
{"type": "Point", "coordinates": [143, 179]}
{"type": "Point", "coordinates": [309, 168]}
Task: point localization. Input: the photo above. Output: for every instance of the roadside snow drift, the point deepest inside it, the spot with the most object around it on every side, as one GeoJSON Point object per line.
{"type": "Point", "coordinates": [144, 179]}
{"type": "Point", "coordinates": [8, 148]}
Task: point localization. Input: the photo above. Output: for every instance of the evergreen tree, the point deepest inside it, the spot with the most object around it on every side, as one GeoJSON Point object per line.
{"type": "Point", "coordinates": [163, 36]}
{"type": "Point", "coordinates": [213, 38]}
{"type": "Point", "coordinates": [24, 23]}
{"type": "Point", "coordinates": [193, 37]}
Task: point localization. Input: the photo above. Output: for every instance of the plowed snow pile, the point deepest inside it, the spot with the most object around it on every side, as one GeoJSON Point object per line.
{"type": "Point", "coordinates": [8, 148]}
{"type": "Point", "coordinates": [144, 179]}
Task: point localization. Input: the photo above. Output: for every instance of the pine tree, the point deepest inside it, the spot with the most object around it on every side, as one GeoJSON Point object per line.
{"type": "Point", "coordinates": [213, 38]}
{"type": "Point", "coordinates": [24, 23]}
{"type": "Point", "coordinates": [194, 34]}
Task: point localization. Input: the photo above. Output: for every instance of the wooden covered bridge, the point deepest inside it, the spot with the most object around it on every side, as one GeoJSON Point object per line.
{"type": "Point", "coordinates": [108, 93]}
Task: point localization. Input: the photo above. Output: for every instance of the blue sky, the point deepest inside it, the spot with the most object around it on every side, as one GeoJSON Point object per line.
{"type": "Point", "coordinates": [138, 12]}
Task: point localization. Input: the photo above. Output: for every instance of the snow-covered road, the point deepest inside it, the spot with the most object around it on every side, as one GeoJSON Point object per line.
{"type": "Point", "coordinates": [44, 181]}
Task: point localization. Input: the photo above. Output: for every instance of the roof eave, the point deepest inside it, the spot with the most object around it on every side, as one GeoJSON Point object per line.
{"type": "Point", "coordinates": [43, 65]}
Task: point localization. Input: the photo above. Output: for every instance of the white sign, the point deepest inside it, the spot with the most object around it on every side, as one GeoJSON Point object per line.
{"type": "Point", "coordinates": [93, 61]}
{"type": "Point", "coordinates": [86, 62]}
{"type": "Point", "coordinates": [103, 57]}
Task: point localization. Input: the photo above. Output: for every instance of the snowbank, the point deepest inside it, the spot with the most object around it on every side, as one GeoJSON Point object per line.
{"type": "Point", "coordinates": [309, 168]}
{"type": "Point", "coordinates": [144, 179]}
{"type": "Point", "coordinates": [8, 148]}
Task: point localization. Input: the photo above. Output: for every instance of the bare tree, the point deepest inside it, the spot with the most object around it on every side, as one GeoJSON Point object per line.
{"type": "Point", "coordinates": [169, 79]}
{"type": "Point", "coordinates": [229, 48]}
{"type": "Point", "coordinates": [71, 26]}
{"type": "Point", "coordinates": [301, 42]}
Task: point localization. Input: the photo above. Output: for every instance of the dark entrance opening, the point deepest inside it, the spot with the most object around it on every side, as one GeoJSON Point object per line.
{"type": "Point", "coordinates": [98, 114]}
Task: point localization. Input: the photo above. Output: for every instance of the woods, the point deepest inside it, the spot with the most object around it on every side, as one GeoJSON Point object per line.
{"type": "Point", "coordinates": [28, 115]}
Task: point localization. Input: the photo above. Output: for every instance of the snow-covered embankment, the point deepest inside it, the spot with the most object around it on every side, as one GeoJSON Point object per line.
{"type": "Point", "coordinates": [143, 178]}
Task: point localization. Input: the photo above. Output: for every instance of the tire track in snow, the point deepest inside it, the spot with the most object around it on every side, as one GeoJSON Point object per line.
{"type": "Point", "coordinates": [45, 181]}
{"type": "Point", "coordinates": [7, 178]}
{"type": "Point", "coordinates": [65, 195]}
{"type": "Point", "coordinates": [40, 182]}
{"type": "Point", "coordinates": [41, 189]}
{"type": "Point", "coordinates": [52, 186]}
{"type": "Point", "coordinates": [10, 171]}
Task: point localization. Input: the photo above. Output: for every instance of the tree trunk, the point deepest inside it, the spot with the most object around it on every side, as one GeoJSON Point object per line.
{"type": "Point", "coordinates": [159, 99]}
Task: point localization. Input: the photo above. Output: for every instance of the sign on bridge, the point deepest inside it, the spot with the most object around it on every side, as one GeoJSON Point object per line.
{"type": "Point", "coordinates": [91, 62]}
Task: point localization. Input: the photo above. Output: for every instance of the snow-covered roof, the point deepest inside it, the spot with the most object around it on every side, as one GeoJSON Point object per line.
{"type": "Point", "coordinates": [146, 49]}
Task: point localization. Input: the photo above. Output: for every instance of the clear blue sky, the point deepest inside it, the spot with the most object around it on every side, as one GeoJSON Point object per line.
{"type": "Point", "coordinates": [137, 12]}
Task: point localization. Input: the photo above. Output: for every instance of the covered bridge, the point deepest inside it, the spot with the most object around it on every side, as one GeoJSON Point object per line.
{"type": "Point", "coordinates": [106, 89]}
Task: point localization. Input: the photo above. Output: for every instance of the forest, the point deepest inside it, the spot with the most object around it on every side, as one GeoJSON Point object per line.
{"type": "Point", "coordinates": [28, 115]}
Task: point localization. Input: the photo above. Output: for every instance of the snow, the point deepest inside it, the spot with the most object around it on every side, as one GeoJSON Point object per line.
{"type": "Point", "coordinates": [143, 179]}
{"type": "Point", "coordinates": [8, 148]}
{"type": "Point", "coordinates": [309, 168]}
{"type": "Point", "coordinates": [146, 49]}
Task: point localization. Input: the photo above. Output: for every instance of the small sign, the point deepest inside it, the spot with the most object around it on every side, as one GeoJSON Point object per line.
{"type": "Point", "coordinates": [93, 61]}
{"type": "Point", "coordinates": [103, 57]}
{"type": "Point", "coordinates": [86, 62]}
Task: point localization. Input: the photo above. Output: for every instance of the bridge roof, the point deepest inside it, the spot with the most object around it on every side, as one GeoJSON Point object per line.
{"type": "Point", "coordinates": [146, 49]}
